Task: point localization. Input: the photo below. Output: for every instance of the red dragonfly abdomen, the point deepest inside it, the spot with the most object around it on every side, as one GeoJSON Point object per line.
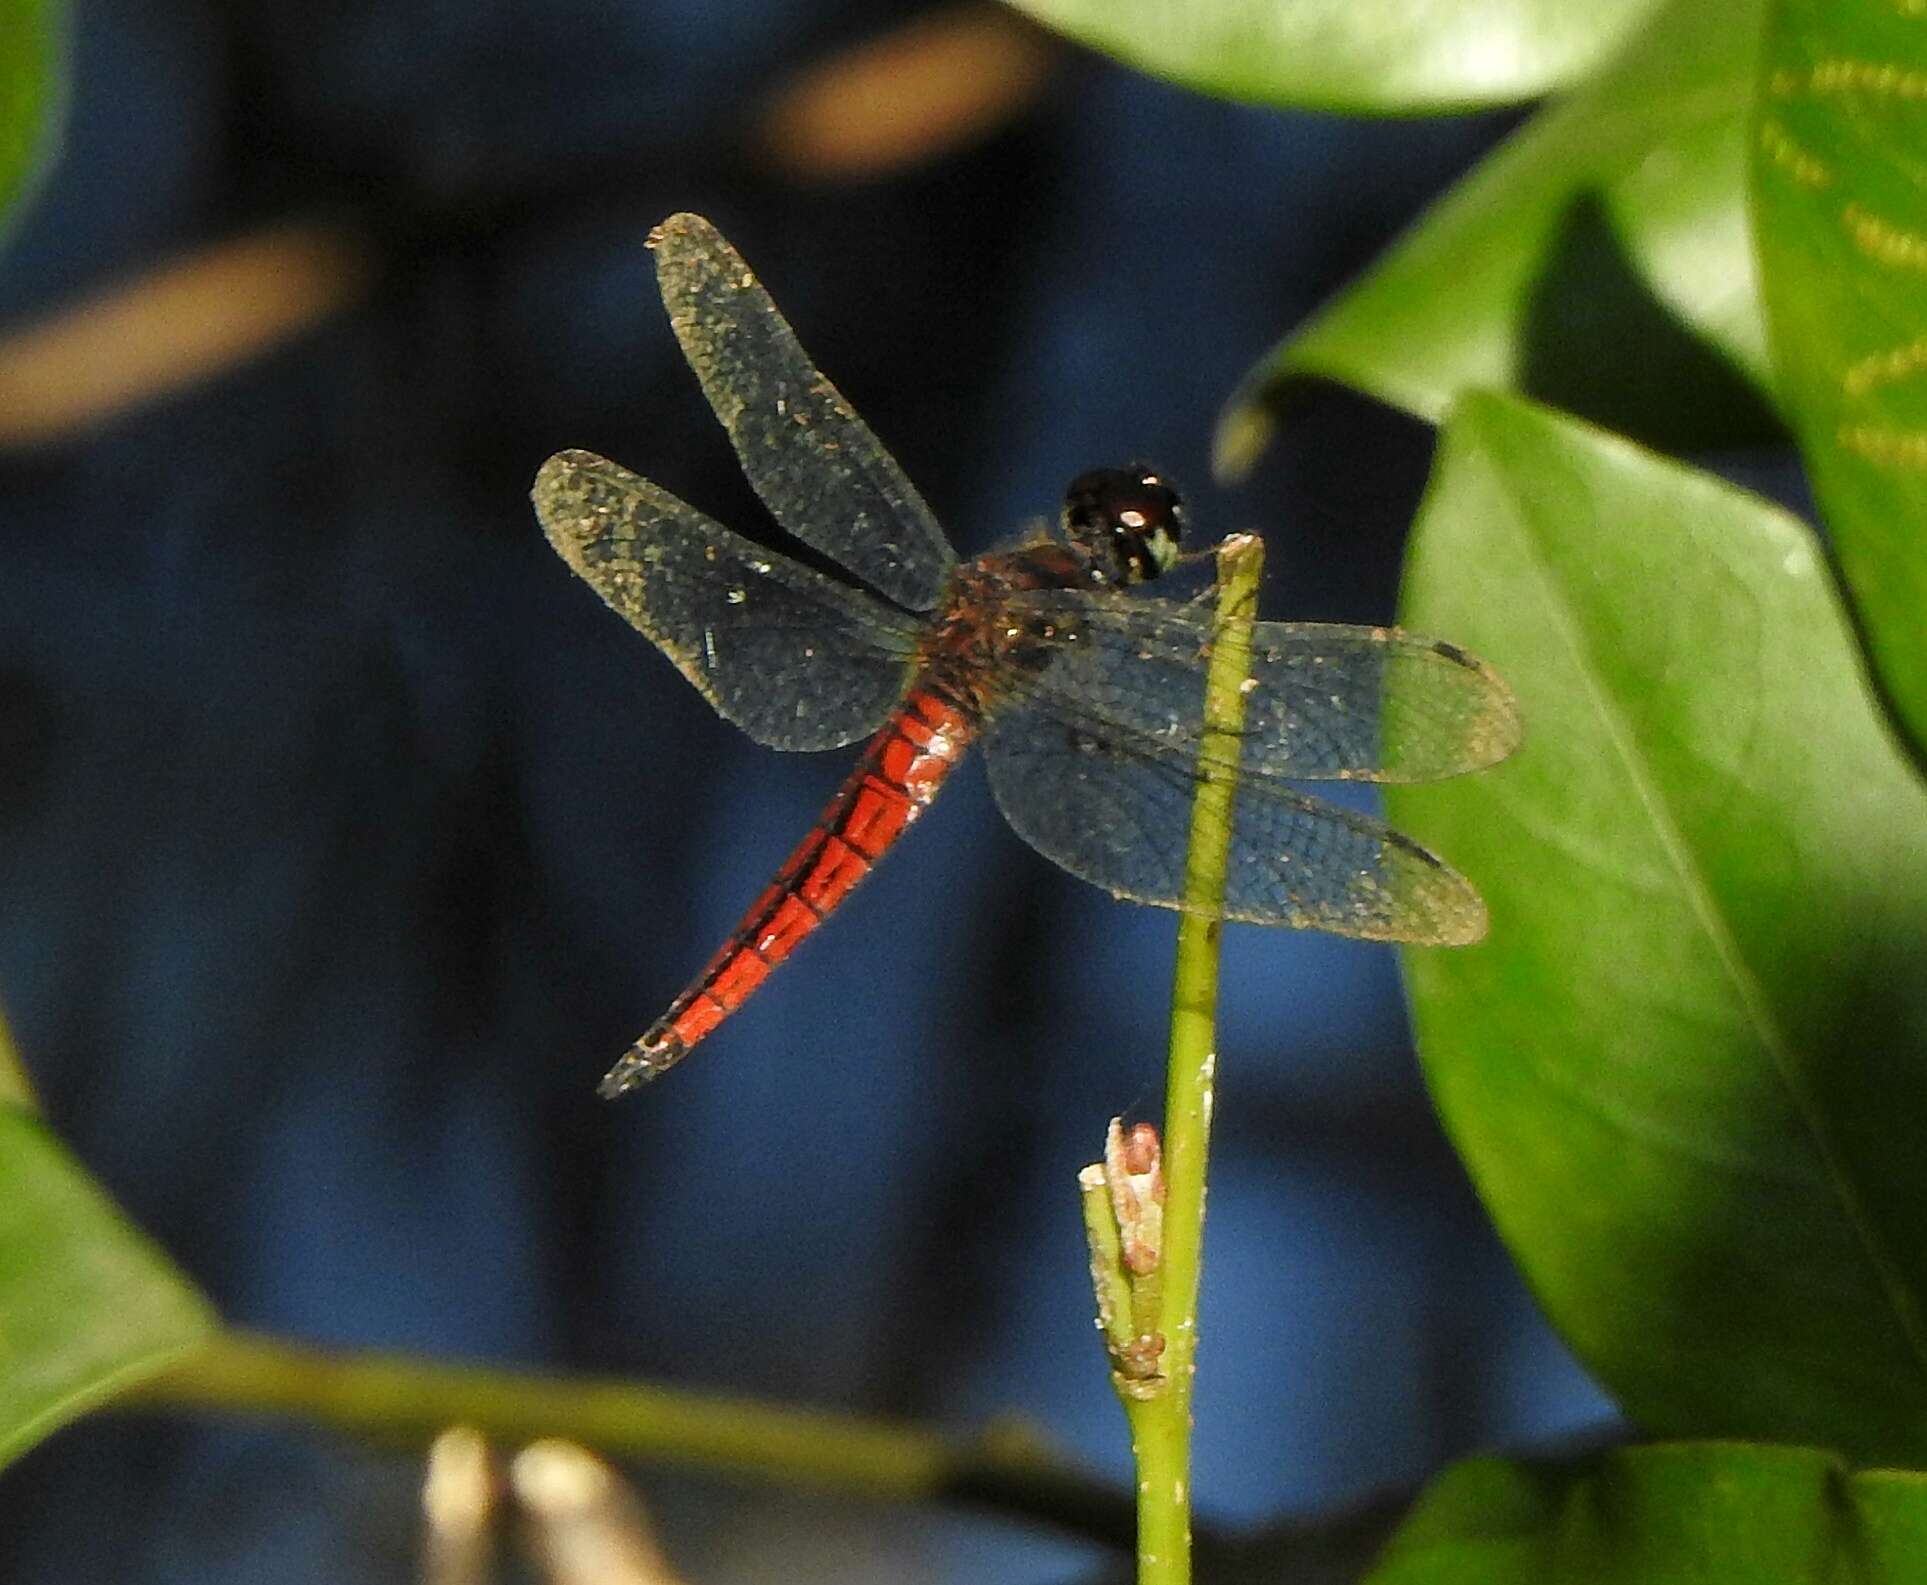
{"type": "Point", "coordinates": [899, 773]}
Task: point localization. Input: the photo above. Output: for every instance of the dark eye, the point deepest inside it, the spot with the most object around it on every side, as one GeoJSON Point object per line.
{"type": "Point", "coordinates": [1133, 516]}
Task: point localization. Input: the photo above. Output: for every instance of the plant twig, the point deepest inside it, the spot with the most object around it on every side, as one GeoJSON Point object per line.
{"type": "Point", "coordinates": [397, 1398]}
{"type": "Point", "coordinates": [182, 322]}
{"type": "Point", "coordinates": [938, 82]}
{"type": "Point", "coordinates": [1161, 1424]}
{"type": "Point", "coordinates": [1123, 1199]}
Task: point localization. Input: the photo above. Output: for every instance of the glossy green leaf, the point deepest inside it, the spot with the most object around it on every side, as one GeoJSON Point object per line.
{"type": "Point", "coordinates": [1357, 55]}
{"type": "Point", "coordinates": [30, 94]}
{"type": "Point", "coordinates": [1599, 260]}
{"type": "Point", "coordinates": [1688, 1068]}
{"type": "Point", "coordinates": [87, 1304]}
{"type": "Point", "coordinates": [1686, 1513]}
{"type": "Point", "coordinates": [1840, 175]}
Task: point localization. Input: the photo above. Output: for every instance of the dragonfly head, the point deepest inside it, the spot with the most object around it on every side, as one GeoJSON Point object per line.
{"type": "Point", "coordinates": [1130, 518]}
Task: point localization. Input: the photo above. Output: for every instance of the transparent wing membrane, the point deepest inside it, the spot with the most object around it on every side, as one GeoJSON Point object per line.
{"type": "Point", "coordinates": [795, 659]}
{"type": "Point", "coordinates": [824, 476]}
{"type": "Point", "coordinates": [1088, 701]}
{"type": "Point", "coordinates": [1326, 702]}
{"type": "Point", "coordinates": [1116, 811]}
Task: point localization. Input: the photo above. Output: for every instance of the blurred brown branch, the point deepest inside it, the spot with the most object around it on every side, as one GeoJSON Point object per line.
{"type": "Point", "coordinates": [175, 326]}
{"type": "Point", "coordinates": [938, 82]}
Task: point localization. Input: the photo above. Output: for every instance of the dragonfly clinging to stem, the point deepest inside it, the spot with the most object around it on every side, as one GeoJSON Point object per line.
{"type": "Point", "coordinates": [1085, 693]}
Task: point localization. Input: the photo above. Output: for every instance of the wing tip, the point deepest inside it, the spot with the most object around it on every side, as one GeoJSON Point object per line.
{"type": "Point", "coordinates": [563, 467]}
{"type": "Point", "coordinates": [1448, 910]}
{"type": "Point", "coordinates": [1491, 729]}
{"type": "Point", "coordinates": [682, 228]}
{"type": "Point", "coordinates": [1466, 924]}
{"type": "Point", "coordinates": [693, 257]}
{"type": "Point", "coordinates": [564, 493]}
{"type": "Point", "coordinates": [1503, 727]}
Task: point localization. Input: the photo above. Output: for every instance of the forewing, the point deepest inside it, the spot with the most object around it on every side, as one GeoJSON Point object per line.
{"type": "Point", "coordinates": [816, 465]}
{"type": "Point", "coordinates": [1117, 812]}
{"type": "Point", "coordinates": [1326, 702]}
{"type": "Point", "coordinates": [793, 658]}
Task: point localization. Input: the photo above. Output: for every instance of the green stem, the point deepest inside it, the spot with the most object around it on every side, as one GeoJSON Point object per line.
{"type": "Point", "coordinates": [1109, 1280]}
{"type": "Point", "coordinates": [394, 1397]}
{"type": "Point", "coordinates": [1161, 1426]}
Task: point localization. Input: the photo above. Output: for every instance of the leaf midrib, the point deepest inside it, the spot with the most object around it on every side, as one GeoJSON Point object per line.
{"type": "Point", "coordinates": [1705, 906]}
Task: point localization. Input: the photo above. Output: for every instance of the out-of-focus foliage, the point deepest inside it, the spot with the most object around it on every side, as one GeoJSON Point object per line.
{"type": "Point", "coordinates": [1840, 192]}
{"type": "Point", "coordinates": [1598, 260]}
{"type": "Point", "coordinates": [1356, 55]}
{"type": "Point", "coordinates": [1682, 1512]}
{"type": "Point", "coordinates": [30, 94]}
{"type": "Point", "coordinates": [1685, 1070]}
{"type": "Point", "coordinates": [87, 1305]}
{"type": "Point", "coordinates": [14, 1088]}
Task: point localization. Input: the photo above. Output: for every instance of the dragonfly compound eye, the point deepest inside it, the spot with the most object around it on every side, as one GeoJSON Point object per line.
{"type": "Point", "coordinates": [1131, 516]}
{"type": "Point", "coordinates": [802, 659]}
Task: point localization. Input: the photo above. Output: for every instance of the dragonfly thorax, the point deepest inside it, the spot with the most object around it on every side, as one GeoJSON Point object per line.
{"type": "Point", "coordinates": [1090, 704]}
{"type": "Point", "coordinates": [1129, 519]}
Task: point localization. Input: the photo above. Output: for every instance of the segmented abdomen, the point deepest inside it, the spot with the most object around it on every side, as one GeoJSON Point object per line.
{"type": "Point", "coordinates": [894, 781]}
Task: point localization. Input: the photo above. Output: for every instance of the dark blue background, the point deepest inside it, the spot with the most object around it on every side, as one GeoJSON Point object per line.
{"type": "Point", "coordinates": [344, 838]}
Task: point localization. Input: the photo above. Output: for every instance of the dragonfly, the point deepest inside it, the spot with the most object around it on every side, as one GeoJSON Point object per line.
{"type": "Point", "coordinates": [1083, 688]}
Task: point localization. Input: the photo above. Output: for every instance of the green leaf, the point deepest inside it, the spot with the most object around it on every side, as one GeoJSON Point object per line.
{"type": "Point", "coordinates": [1686, 1513]}
{"type": "Point", "coordinates": [87, 1305]}
{"type": "Point", "coordinates": [15, 1091]}
{"type": "Point", "coordinates": [1599, 260]}
{"type": "Point", "coordinates": [1840, 184]}
{"type": "Point", "coordinates": [31, 95]}
{"type": "Point", "coordinates": [1688, 1068]}
{"type": "Point", "coordinates": [1355, 55]}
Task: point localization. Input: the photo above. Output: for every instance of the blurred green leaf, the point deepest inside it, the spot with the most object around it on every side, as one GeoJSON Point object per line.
{"type": "Point", "coordinates": [87, 1304]}
{"type": "Point", "coordinates": [15, 1091]}
{"type": "Point", "coordinates": [30, 94]}
{"type": "Point", "coordinates": [1841, 199]}
{"type": "Point", "coordinates": [1599, 260]}
{"type": "Point", "coordinates": [1688, 1068]}
{"type": "Point", "coordinates": [1356, 55]}
{"type": "Point", "coordinates": [1687, 1513]}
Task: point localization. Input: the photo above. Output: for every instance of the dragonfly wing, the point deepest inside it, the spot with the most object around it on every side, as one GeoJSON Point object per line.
{"type": "Point", "coordinates": [1117, 812]}
{"type": "Point", "coordinates": [816, 465]}
{"type": "Point", "coordinates": [795, 659]}
{"type": "Point", "coordinates": [1327, 702]}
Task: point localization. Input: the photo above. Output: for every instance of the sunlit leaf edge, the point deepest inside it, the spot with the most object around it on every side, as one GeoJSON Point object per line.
{"type": "Point", "coordinates": [108, 1260]}
{"type": "Point", "coordinates": [1901, 1436]}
